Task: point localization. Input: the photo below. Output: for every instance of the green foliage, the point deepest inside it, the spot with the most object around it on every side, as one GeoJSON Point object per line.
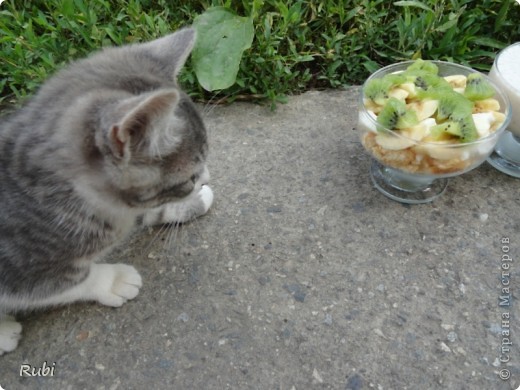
{"type": "Point", "coordinates": [298, 44]}
{"type": "Point", "coordinates": [38, 37]}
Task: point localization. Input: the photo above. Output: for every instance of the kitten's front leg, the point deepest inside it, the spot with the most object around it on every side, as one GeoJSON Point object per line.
{"type": "Point", "coordinates": [10, 333]}
{"type": "Point", "coordinates": [183, 211]}
{"type": "Point", "coordinates": [114, 284]}
{"type": "Point", "coordinates": [108, 284]}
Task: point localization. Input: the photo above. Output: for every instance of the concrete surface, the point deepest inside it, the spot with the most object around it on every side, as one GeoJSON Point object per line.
{"type": "Point", "coordinates": [302, 276]}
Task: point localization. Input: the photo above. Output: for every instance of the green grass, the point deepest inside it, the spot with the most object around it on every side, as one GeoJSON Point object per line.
{"type": "Point", "coordinates": [298, 44]}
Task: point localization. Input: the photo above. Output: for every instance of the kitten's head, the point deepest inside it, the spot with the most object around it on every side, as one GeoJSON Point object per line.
{"type": "Point", "coordinates": [150, 142]}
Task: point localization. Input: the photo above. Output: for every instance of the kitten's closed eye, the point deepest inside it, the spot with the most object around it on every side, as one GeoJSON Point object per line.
{"type": "Point", "coordinates": [150, 197]}
{"type": "Point", "coordinates": [185, 188]}
{"type": "Point", "coordinates": [165, 193]}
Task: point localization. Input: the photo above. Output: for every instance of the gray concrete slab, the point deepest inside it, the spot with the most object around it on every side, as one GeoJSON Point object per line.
{"type": "Point", "coordinates": [301, 276]}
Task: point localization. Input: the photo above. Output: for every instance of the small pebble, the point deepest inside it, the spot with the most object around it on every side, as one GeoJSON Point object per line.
{"type": "Point", "coordinates": [444, 347]}
{"type": "Point", "coordinates": [483, 217]}
{"type": "Point", "coordinates": [184, 317]}
{"type": "Point", "coordinates": [316, 375]}
{"type": "Point", "coordinates": [355, 382]}
{"type": "Point", "coordinates": [328, 319]}
{"type": "Point", "coordinates": [495, 328]}
{"type": "Point", "coordinates": [380, 333]}
{"type": "Point", "coordinates": [83, 335]}
{"type": "Point", "coordinates": [452, 337]}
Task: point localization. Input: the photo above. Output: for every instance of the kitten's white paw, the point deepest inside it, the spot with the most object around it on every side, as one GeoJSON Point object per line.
{"type": "Point", "coordinates": [116, 283]}
{"type": "Point", "coordinates": [10, 333]}
{"type": "Point", "coordinates": [206, 194]}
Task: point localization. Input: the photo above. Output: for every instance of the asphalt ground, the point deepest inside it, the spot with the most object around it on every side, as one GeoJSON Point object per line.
{"type": "Point", "coordinates": [301, 276]}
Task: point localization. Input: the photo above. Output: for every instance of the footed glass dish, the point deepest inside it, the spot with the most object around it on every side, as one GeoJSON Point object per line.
{"type": "Point", "coordinates": [411, 167]}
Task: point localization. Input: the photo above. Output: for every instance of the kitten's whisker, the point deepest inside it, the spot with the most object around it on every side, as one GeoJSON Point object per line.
{"type": "Point", "coordinates": [155, 237]}
{"type": "Point", "coordinates": [208, 111]}
{"type": "Point", "coordinates": [208, 104]}
{"type": "Point", "coordinates": [209, 107]}
{"type": "Point", "coordinates": [173, 231]}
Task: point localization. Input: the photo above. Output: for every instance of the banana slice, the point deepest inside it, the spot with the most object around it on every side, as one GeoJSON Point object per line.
{"type": "Point", "coordinates": [486, 105]}
{"type": "Point", "coordinates": [424, 108]}
{"type": "Point", "coordinates": [419, 131]}
{"type": "Point", "coordinates": [441, 152]}
{"type": "Point", "coordinates": [365, 122]}
{"type": "Point", "coordinates": [456, 80]}
{"type": "Point", "coordinates": [499, 119]}
{"type": "Point", "coordinates": [393, 142]}
{"type": "Point", "coordinates": [410, 88]}
{"type": "Point", "coordinates": [372, 106]}
{"type": "Point", "coordinates": [398, 93]}
{"type": "Point", "coordinates": [483, 122]}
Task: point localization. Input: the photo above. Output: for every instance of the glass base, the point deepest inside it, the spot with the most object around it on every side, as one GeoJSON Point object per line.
{"type": "Point", "coordinates": [506, 156]}
{"type": "Point", "coordinates": [404, 187]}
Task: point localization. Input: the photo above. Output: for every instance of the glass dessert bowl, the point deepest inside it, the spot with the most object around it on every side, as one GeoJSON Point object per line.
{"type": "Point", "coordinates": [426, 121]}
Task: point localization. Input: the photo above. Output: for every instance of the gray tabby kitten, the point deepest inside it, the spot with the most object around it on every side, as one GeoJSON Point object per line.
{"type": "Point", "coordinates": [109, 141]}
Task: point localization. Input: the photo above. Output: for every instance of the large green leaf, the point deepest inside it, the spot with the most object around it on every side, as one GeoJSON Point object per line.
{"type": "Point", "coordinates": [222, 37]}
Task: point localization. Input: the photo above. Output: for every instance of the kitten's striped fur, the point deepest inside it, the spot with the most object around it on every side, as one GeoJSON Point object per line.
{"type": "Point", "coordinates": [108, 141]}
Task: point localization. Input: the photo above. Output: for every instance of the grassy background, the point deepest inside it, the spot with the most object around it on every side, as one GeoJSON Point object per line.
{"type": "Point", "coordinates": [298, 45]}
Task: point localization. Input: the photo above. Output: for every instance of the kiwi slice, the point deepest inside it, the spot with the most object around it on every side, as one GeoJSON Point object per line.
{"type": "Point", "coordinates": [478, 88]}
{"type": "Point", "coordinates": [395, 78]}
{"type": "Point", "coordinates": [423, 65]}
{"type": "Point", "coordinates": [453, 105]}
{"type": "Point", "coordinates": [455, 108]}
{"type": "Point", "coordinates": [395, 115]}
{"type": "Point", "coordinates": [463, 129]}
{"type": "Point", "coordinates": [426, 82]}
{"type": "Point", "coordinates": [468, 129]}
{"type": "Point", "coordinates": [446, 130]}
{"type": "Point", "coordinates": [378, 89]}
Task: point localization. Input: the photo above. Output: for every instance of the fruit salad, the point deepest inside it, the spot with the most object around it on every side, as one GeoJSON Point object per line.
{"type": "Point", "coordinates": [421, 120]}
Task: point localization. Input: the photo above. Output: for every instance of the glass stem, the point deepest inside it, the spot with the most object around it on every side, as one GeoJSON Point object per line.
{"type": "Point", "coordinates": [406, 182]}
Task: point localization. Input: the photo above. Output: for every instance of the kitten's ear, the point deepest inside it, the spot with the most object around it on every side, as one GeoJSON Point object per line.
{"type": "Point", "coordinates": [132, 131]}
{"type": "Point", "coordinates": [173, 49]}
